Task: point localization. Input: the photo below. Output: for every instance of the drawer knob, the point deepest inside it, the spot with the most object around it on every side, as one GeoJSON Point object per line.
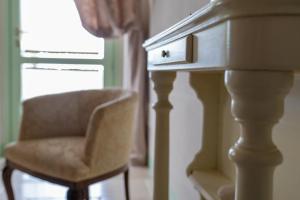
{"type": "Point", "coordinates": [165, 53]}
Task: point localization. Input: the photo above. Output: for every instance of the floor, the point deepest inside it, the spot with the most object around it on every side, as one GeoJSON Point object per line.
{"type": "Point", "coordinates": [30, 188]}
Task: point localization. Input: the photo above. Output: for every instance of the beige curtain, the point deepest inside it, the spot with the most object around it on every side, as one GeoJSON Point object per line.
{"type": "Point", "coordinates": [129, 18]}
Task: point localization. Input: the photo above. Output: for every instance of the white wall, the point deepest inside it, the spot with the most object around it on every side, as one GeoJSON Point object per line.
{"type": "Point", "coordinates": [186, 122]}
{"type": "Point", "coordinates": [287, 137]}
{"type": "Point", "coordinates": [166, 13]}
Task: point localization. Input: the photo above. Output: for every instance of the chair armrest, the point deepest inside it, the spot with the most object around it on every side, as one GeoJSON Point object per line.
{"type": "Point", "coordinates": [50, 116]}
{"type": "Point", "coordinates": [109, 134]}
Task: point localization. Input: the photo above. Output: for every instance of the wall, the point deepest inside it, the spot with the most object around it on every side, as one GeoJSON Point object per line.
{"type": "Point", "coordinates": [287, 137]}
{"type": "Point", "coordinates": [186, 122]}
{"type": "Point", "coordinates": [166, 13]}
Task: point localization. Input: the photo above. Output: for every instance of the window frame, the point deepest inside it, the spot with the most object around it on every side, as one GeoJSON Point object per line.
{"type": "Point", "coordinates": [112, 63]}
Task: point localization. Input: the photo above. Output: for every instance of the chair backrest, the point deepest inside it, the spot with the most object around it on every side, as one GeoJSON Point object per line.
{"type": "Point", "coordinates": [90, 99]}
{"type": "Point", "coordinates": [110, 133]}
{"type": "Point", "coordinates": [63, 114]}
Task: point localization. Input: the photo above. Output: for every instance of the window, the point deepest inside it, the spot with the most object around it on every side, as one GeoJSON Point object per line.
{"type": "Point", "coordinates": [52, 29]}
{"type": "Point", "coordinates": [40, 79]}
{"type": "Point", "coordinates": [57, 53]}
{"type": "Point", "coordinates": [50, 52]}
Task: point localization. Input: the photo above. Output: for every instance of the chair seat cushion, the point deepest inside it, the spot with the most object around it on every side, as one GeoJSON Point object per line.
{"type": "Point", "coordinates": [59, 157]}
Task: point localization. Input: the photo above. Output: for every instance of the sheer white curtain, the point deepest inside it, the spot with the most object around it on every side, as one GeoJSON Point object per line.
{"type": "Point", "coordinates": [117, 18]}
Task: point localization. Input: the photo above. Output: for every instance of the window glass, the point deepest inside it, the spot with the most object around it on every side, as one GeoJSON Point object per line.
{"type": "Point", "coordinates": [52, 29]}
{"type": "Point", "coordinates": [41, 79]}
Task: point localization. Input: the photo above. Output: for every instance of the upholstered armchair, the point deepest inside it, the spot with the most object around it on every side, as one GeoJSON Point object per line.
{"type": "Point", "coordinates": [74, 139]}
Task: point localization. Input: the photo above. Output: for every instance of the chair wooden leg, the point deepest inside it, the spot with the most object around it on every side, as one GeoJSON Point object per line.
{"type": "Point", "coordinates": [78, 194]}
{"type": "Point", "coordinates": [6, 176]}
{"type": "Point", "coordinates": [86, 193]}
{"type": "Point", "coordinates": [71, 193]}
{"type": "Point", "coordinates": [126, 181]}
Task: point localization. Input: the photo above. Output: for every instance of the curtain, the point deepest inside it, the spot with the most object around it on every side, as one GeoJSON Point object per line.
{"type": "Point", "coordinates": [129, 18]}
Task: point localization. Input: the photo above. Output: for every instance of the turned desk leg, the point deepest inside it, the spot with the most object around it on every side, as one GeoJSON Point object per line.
{"type": "Point", "coordinates": [257, 104]}
{"type": "Point", "coordinates": [163, 84]}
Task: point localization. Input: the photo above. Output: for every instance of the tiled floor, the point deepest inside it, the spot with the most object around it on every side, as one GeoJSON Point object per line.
{"type": "Point", "coordinates": [29, 188]}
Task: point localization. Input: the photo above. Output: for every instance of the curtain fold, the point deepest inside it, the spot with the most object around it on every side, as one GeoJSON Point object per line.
{"type": "Point", "coordinates": [108, 18]}
{"type": "Point", "coordinates": [129, 18]}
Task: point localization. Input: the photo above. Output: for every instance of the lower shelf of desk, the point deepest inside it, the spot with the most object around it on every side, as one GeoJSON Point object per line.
{"type": "Point", "coordinates": [209, 183]}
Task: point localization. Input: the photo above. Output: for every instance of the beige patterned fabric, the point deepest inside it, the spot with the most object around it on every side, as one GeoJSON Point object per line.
{"type": "Point", "coordinates": [77, 135]}
{"type": "Point", "coordinates": [108, 18]}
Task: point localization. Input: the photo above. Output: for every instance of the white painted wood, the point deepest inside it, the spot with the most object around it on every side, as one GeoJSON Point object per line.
{"type": "Point", "coordinates": [209, 52]}
{"type": "Point", "coordinates": [268, 30]}
{"type": "Point", "coordinates": [177, 52]}
{"type": "Point", "coordinates": [257, 43]}
{"type": "Point", "coordinates": [163, 84]}
{"type": "Point", "coordinates": [257, 104]}
{"type": "Point", "coordinates": [272, 44]}
{"type": "Point", "coordinates": [218, 11]}
{"type": "Point", "coordinates": [209, 182]}
{"type": "Point", "coordinates": [203, 170]}
{"type": "Point", "coordinates": [207, 88]}
{"type": "Point", "coordinates": [264, 43]}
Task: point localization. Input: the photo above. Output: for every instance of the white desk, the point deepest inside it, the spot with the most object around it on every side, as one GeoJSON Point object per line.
{"type": "Point", "coordinates": [256, 43]}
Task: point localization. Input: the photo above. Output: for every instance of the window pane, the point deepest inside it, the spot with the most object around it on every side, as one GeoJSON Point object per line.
{"type": "Point", "coordinates": [52, 28]}
{"type": "Point", "coordinates": [41, 79]}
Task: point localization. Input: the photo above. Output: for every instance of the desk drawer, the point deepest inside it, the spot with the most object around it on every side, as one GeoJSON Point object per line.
{"type": "Point", "coordinates": [176, 52]}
